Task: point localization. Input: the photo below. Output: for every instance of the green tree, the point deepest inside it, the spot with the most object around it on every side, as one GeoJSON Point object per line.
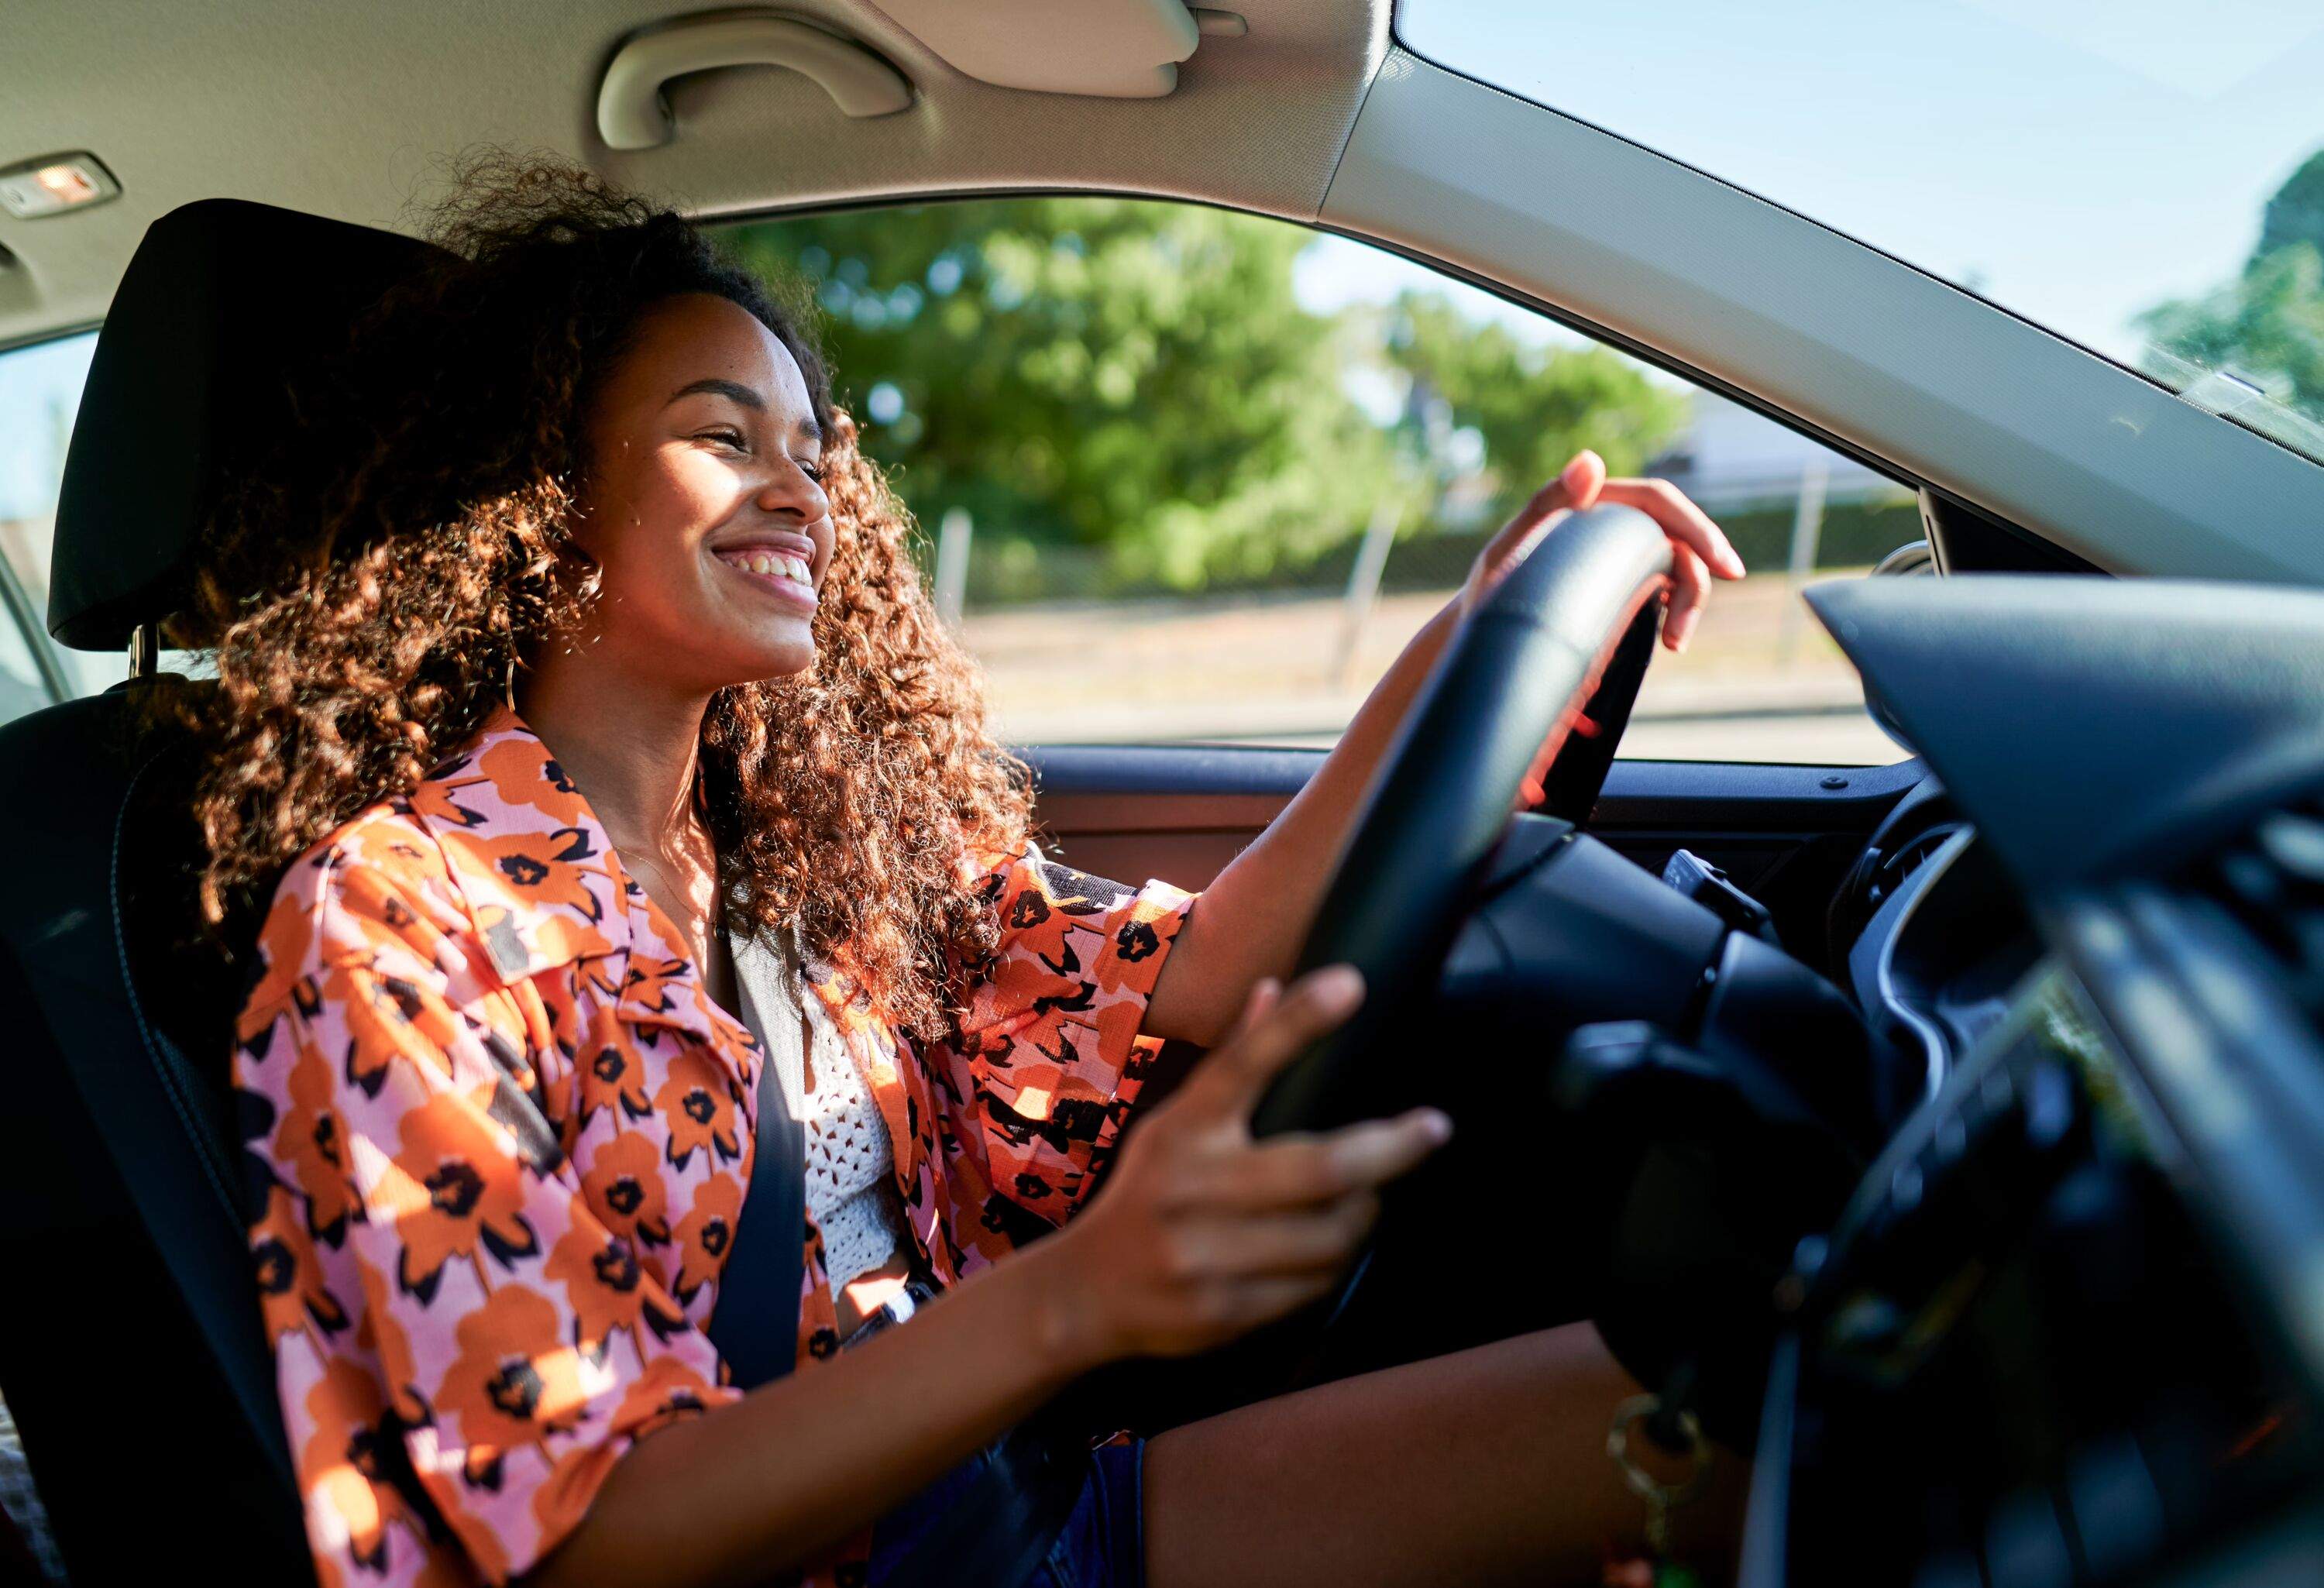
{"type": "Point", "coordinates": [1533, 405]}
{"type": "Point", "coordinates": [1135, 384]}
{"type": "Point", "coordinates": [2295, 213]}
{"type": "Point", "coordinates": [2266, 326]}
{"type": "Point", "coordinates": [1095, 372]}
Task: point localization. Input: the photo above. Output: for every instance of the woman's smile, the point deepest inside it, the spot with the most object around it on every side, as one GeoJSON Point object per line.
{"type": "Point", "coordinates": [781, 565]}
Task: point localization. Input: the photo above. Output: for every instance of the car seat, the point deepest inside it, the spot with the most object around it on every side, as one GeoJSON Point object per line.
{"type": "Point", "coordinates": [130, 1350]}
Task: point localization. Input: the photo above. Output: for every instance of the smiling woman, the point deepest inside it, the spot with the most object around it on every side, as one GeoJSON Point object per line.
{"type": "Point", "coordinates": [724, 390]}
{"type": "Point", "coordinates": [533, 1038]}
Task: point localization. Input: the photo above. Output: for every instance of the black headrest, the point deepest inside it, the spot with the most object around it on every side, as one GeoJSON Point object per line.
{"type": "Point", "coordinates": [224, 303]}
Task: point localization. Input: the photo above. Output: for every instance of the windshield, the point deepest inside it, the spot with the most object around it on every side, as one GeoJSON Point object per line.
{"type": "Point", "coordinates": [2142, 177]}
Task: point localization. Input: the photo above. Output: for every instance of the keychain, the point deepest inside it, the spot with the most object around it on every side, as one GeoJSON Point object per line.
{"type": "Point", "coordinates": [1654, 1569]}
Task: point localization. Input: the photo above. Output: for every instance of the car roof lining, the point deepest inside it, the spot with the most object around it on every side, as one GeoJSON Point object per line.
{"type": "Point", "coordinates": [350, 113]}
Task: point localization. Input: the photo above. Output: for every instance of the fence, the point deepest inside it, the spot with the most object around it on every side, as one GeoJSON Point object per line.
{"type": "Point", "coordinates": [1761, 517]}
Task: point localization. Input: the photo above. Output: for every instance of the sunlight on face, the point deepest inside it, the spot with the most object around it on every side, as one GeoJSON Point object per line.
{"type": "Point", "coordinates": [704, 510]}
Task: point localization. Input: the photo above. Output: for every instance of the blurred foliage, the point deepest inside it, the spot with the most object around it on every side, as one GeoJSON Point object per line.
{"type": "Point", "coordinates": [1532, 404]}
{"type": "Point", "coordinates": [2266, 326]}
{"type": "Point", "coordinates": [1138, 379]}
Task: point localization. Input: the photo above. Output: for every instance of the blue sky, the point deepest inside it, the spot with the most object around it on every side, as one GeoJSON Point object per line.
{"type": "Point", "coordinates": [2076, 160]}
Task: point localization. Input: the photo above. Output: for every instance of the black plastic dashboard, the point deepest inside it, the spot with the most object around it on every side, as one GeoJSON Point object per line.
{"type": "Point", "coordinates": [2070, 1329]}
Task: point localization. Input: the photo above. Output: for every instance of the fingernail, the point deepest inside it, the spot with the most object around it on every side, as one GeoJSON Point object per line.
{"type": "Point", "coordinates": [1337, 985]}
{"type": "Point", "coordinates": [1436, 1125]}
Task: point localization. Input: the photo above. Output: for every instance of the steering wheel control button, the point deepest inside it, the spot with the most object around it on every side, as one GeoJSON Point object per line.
{"type": "Point", "coordinates": [1699, 880]}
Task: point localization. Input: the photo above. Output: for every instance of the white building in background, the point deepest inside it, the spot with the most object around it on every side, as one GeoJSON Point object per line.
{"type": "Point", "coordinates": [1730, 457]}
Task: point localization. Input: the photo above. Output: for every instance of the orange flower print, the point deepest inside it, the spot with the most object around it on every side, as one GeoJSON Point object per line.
{"type": "Point", "coordinates": [463, 1188]}
{"type": "Point", "coordinates": [449, 800]}
{"type": "Point", "coordinates": [705, 1233]}
{"type": "Point", "coordinates": [545, 868]}
{"type": "Point", "coordinates": [613, 1073]}
{"type": "Point", "coordinates": [459, 975]}
{"type": "Point", "coordinates": [603, 1283]}
{"type": "Point", "coordinates": [625, 1189]}
{"type": "Point", "coordinates": [404, 1022]}
{"type": "Point", "coordinates": [671, 1388]}
{"type": "Point", "coordinates": [291, 1294]}
{"type": "Point", "coordinates": [308, 1145]}
{"type": "Point", "coordinates": [345, 1463]}
{"type": "Point", "coordinates": [698, 1104]}
{"type": "Point", "coordinates": [649, 978]}
{"type": "Point", "coordinates": [520, 772]}
{"type": "Point", "coordinates": [515, 1378]}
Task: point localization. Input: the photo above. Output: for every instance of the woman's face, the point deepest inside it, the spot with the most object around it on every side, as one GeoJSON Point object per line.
{"type": "Point", "coordinates": [704, 508]}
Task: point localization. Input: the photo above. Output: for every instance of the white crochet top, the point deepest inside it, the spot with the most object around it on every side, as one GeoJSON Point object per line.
{"type": "Point", "coordinates": [850, 1191]}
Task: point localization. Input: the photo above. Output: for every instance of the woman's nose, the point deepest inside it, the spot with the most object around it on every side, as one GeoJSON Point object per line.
{"type": "Point", "coordinates": [789, 493]}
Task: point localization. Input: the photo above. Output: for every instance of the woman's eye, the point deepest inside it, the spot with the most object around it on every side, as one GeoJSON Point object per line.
{"type": "Point", "coordinates": [723, 437]}
{"type": "Point", "coordinates": [812, 470]}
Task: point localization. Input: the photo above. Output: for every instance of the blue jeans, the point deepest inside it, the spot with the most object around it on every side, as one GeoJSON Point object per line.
{"type": "Point", "coordinates": [1102, 1544]}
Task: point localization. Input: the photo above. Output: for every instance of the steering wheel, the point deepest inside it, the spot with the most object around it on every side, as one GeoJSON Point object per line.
{"type": "Point", "coordinates": [1569, 628]}
{"type": "Point", "coordinates": [1546, 670]}
{"type": "Point", "coordinates": [1561, 643]}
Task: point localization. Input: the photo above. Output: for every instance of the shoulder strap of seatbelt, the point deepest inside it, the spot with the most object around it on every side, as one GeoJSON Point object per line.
{"type": "Point", "coordinates": [755, 1323]}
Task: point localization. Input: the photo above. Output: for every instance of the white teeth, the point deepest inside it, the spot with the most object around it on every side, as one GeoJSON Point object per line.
{"type": "Point", "coordinates": [779, 564]}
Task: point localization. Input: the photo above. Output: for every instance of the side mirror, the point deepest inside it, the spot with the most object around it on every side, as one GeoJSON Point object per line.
{"type": "Point", "coordinates": [1915, 556]}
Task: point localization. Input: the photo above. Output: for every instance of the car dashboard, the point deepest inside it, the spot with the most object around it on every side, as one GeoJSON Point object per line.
{"type": "Point", "coordinates": [2070, 1327]}
{"type": "Point", "coordinates": [2023, 1356]}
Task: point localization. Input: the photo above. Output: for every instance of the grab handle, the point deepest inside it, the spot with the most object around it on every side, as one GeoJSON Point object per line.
{"type": "Point", "coordinates": [632, 113]}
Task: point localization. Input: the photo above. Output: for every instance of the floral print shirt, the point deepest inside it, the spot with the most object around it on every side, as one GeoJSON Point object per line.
{"type": "Point", "coordinates": [499, 1136]}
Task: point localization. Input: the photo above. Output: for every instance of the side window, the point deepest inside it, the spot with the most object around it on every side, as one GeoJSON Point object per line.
{"type": "Point", "coordinates": [40, 389]}
{"type": "Point", "coordinates": [1187, 474]}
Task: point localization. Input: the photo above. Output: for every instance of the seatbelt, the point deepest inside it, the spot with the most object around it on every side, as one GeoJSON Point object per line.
{"type": "Point", "coordinates": [1007, 1518]}
{"type": "Point", "coordinates": [754, 1323]}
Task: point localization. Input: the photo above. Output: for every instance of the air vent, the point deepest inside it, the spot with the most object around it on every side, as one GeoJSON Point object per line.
{"type": "Point", "coordinates": [2271, 881]}
{"type": "Point", "coordinates": [1916, 829]}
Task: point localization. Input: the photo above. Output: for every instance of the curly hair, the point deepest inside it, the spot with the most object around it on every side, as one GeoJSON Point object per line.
{"type": "Point", "coordinates": [371, 590]}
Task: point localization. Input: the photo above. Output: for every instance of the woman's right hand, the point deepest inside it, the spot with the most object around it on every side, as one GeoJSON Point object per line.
{"type": "Point", "coordinates": [1202, 1233]}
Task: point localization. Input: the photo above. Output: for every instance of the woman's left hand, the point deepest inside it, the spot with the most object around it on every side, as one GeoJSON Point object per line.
{"type": "Point", "coordinates": [1698, 550]}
